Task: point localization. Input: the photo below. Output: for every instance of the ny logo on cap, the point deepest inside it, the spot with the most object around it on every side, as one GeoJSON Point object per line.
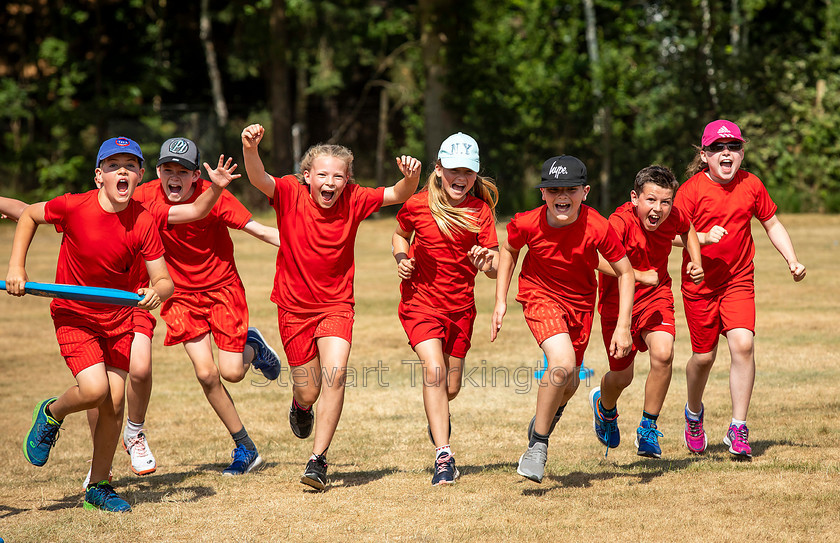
{"type": "Point", "coordinates": [557, 171]}
{"type": "Point", "coordinates": [455, 147]}
{"type": "Point", "coordinates": [179, 147]}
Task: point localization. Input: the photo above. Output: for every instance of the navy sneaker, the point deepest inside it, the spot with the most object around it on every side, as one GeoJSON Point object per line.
{"type": "Point", "coordinates": [647, 439]}
{"type": "Point", "coordinates": [42, 435]}
{"type": "Point", "coordinates": [315, 474]}
{"type": "Point", "coordinates": [265, 358]}
{"type": "Point", "coordinates": [445, 471]}
{"type": "Point", "coordinates": [102, 496]}
{"type": "Point", "coordinates": [301, 420]}
{"type": "Point", "coordinates": [606, 429]}
{"type": "Point", "coordinates": [244, 461]}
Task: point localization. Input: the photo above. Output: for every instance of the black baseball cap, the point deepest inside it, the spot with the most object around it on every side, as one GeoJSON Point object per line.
{"type": "Point", "coordinates": [562, 171]}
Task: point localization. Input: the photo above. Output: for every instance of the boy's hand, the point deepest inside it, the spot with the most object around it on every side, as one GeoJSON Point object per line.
{"type": "Point", "coordinates": [648, 278]}
{"type": "Point", "coordinates": [496, 322]}
{"type": "Point", "coordinates": [150, 300]}
{"type": "Point", "coordinates": [621, 343]}
{"type": "Point", "coordinates": [715, 234]}
{"type": "Point", "coordinates": [223, 174]}
{"type": "Point", "coordinates": [695, 271]}
{"type": "Point", "coordinates": [481, 258]}
{"type": "Point", "coordinates": [797, 270]}
{"type": "Point", "coordinates": [405, 268]}
{"type": "Point", "coordinates": [15, 281]}
{"type": "Point", "coordinates": [251, 136]}
{"type": "Point", "coordinates": [410, 167]}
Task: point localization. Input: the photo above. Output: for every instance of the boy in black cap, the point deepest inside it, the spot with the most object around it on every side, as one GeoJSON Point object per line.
{"type": "Point", "coordinates": [557, 290]}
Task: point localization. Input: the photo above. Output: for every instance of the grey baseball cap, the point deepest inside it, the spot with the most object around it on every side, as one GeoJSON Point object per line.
{"type": "Point", "coordinates": [181, 151]}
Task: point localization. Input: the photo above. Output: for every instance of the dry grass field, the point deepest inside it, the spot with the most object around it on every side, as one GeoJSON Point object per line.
{"type": "Point", "coordinates": [380, 460]}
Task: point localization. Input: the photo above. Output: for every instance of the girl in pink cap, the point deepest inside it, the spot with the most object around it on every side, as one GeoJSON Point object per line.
{"type": "Point", "coordinates": [720, 200]}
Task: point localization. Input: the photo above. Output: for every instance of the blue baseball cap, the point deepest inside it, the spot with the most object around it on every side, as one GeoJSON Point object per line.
{"type": "Point", "coordinates": [115, 146]}
{"type": "Point", "coordinates": [459, 151]}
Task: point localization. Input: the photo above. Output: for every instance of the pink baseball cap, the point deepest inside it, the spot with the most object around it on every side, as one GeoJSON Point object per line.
{"type": "Point", "coordinates": [719, 130]}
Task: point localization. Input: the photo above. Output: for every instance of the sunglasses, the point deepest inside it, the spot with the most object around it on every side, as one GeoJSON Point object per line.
{"type": "Point", "coordinates": [719, 146]}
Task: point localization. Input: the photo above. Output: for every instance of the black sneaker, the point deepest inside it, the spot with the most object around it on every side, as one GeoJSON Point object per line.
{"type": "Point", "coordinates": [315, 474]}
{"type": "Point", "coordinates": [301, 420]}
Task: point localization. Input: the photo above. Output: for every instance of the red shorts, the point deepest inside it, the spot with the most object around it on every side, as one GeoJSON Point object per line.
{"type": "Point", "coordinates": [547, 319]}
{"type": "Point", "coordinates": [300, 331]}
{"type": "Point", "coordinates": [709, 316]}
{"type": "Point", "coordinates": [655, 315]}
{"type": "Point", "coordinates": [223, 312]}
{"type": "Point", "coordinates": [453, 329]}
{"type": "Point", "coordinates": [144, 323]}
{"type": "Point", "coordinates": [82, 347]}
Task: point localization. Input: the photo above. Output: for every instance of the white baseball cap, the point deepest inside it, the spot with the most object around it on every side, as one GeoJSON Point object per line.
{"type": "Point", "coordinates": [459, 151]}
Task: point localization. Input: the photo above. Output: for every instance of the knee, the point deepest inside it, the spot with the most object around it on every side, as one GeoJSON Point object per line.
{"type": "Point", "coordinates": [232, 375]}
{"type": "Point", "coordinates": [208, 377]}
{"type": "Point", "coordinates": [704, 360]}
{"type": "Point", "coordinates": [661, 357]}
{"type": "Point", "coordinates": [434, 375]}
{"type": "Point", "coordinates": [307, 395]}
{"type": "Point", "coordinates": [141, 375]}
{"type": "Point", "coordinates": [622, 379]}
{"type": "Point", "coordinates": [453, 388]}
{"type": "Point", "coordinates": [94, 395]}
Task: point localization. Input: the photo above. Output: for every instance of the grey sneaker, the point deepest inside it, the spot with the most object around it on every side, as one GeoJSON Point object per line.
{"type": "Point", "coordinates": [532, 462]}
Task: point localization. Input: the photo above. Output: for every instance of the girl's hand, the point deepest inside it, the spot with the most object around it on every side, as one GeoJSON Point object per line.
{"type": "Point", "coordinates": [15, 281]}
{"type": "Point", "coordinates": [251, 136]}
{"type": "Point", "coordinates": [496, 321]}
{"type": "Point", "coordinates": [481, 258]}
{"type": "Point", "coordinates": [150, 300]}
{"type": "Point", "coordinates": [405, 268]}
{"type": "Point", "coordinates": [797, 270]}
{"type": "Point", "coordinates": [695, 271]}
{"type": "Point", "coordinates": [410, 167]}
{"type": "Point", "coordinates": [223, 174]}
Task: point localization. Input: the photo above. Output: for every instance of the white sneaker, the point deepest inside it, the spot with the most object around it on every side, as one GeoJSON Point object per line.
{"type": "Point", "coordinates": [142, 459]}
{"type": "Point", "coordinates": [87, 479]}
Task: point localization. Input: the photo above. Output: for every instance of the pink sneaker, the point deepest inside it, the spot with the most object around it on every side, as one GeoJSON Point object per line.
{"type": "Point", "coordinates": [695, 437]}
{"type": "Point", "coordinates": [738, 440]}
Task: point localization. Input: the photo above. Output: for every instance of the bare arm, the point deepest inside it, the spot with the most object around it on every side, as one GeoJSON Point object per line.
{"type": "Point", "coordinates": [160, 286]}
{"type": "Point", "coordinates": [11, 208]}
{"type": "Point", "coordinates": [780, 239]}
{"type": "Point", "coordinates": [621, 341]}
{"type": "Point", "coordinates": [400, 243]}
{"type": "Point", "coordinates": [507, 263]}
{"type": "Point", "coordinates": [405, 187]}
{"type": "Point", "coordinates": [692, 244]}
{"type": "Point", "coordinates": [221, 177]}
{"type": "Point", "coordinates": [648, 278]}
{"type": "Point", "coordinates": [714, 235]}
{"type": "Point", "coordinates": [268, 234]}
{"type": "Point", "coordinates": [251, 137]}
{"type": "Point", "coordinates": [28, 223]}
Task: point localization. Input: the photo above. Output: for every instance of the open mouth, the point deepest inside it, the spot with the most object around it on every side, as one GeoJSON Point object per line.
{"type": "Point", "coordinates": [175, 189]}
{"type": "Point", "coordinates": [327, 196]}
{"type": "Point", "coordinates": [653, 220]}
{"type": "Point", "coordinates": [726, 165]}
{"type": "Point", "coordinates": [122, 186]}
{"type": "Point", "coordinates": [457, 187]}
{"type": "Point", "coordinates": [562, 209]}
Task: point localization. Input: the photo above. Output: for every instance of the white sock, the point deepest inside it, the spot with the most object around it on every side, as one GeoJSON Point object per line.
{"type": "Point", "coordinates": [131, 430]}
{"type": "Point", "coordinates": [443, 450]}
{"type": "Point", "coordinates": [691, 414]}
{"type": "Point", "coordinates": [736, 422]}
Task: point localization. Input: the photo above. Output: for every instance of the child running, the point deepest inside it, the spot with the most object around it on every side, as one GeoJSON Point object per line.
{"type": "Point", "coordinates": [720, 196]}
{"type": "Point", "coordinates": [209, 299]}
{"type": "Point", "coordinates": [104, 231]}
{"type": "Point", "coordinates": [557, 291]}
{"type": "Point", "coordinates": [646, 226]}
{"type": "Point", "coordinates": [453, 223]}
{"type": "Point", "coordinates": [318, 215]}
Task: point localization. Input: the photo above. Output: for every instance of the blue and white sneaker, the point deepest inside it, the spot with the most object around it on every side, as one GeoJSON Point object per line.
{"type": "Point", "coordinates": [102, 496]}
{"type": "Point", "coordinates": [647, 439]}
{"type": "Point", "coordinates": [606, 429]}
{"type": "Point", "coordinates": [244, 461]}
{"type": "Point", "coordinates": [42, 435]}
{"type": "Point", "coordinates": [265, 358]}
{"type": "Point", "coordinates": [445, 471]}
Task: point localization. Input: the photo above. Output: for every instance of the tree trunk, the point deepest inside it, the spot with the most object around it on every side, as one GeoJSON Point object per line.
{"type": "Point", "coordinates": [602, 123]}
{"type": "Point", "coordinates": [382, 136]}
{"type": "Point", "coordinates": [279, 93]}
{"type": "Point", "coordinates": [219, 103]}
{"type": "Point", "coordinates": [708, 45]}
{"type": "Point", "coordinates": [438, 122]}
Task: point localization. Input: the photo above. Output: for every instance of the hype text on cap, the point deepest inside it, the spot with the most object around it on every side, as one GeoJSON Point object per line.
{"type": "Point", "coordinates": [562, 171]}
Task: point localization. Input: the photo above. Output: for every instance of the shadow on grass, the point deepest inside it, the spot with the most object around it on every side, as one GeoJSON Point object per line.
{"type": "Point", "coordinates": [473, 470]}
{"type": "Point", "coordinates": [347, 479]}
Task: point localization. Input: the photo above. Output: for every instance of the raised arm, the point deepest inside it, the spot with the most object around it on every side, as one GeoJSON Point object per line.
{"type": "Point", "coordinates": [11, 208]}
{"type": "Point", "coordinates": [28, 223]}
{"type": "Point", "coordinates": [507, 263]}
{"type": "Point", "coordinates": [251, 137]}
{"type": "Point", "coordinates": [780, 239]}
{"type": "Point", "coordinates": [221, 177]}
{"type": "Point", "coordinates": [160, 286]}
{"type": "Point", "coordinates": [405, 187]}
{"type": "Point", "coordinates": [268, 234]}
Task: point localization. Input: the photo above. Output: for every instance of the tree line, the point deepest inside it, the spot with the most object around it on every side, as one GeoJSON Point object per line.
{"type": "Point", "coordinates": [619, 84]}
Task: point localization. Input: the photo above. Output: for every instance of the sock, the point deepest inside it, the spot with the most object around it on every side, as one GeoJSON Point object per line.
{"type": "Point", "coordinates": [49, 413]}
{"type": "Point", "coordinates": [537, 437]}
{"type": "Point", "coordinates": [607, 413]}
{"type": "Point", "coordinates": [646, 415]}
{"type": "Point", "coordinates": [131, 430]}
{"type": "Point", "coordinates": [736, 422]}
{"type": "Point", "coordinates": [443, 450]}
{"type": "Point", "coordinates": [691, 414]}
{"type": "Point", "coordinates": [241, 438]}
{"type": "Point", "coordinates": [560, 411]}
{"type": "Point", "coordinates": [296, 405]}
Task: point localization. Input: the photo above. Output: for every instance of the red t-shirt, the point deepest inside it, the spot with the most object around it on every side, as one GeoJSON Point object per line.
{"type": "Point", "coordinates": [315, 262]}
{"type": "Point", "coordinates": [199, 254]}
{"type": "Point", "coordinates": [731, 206]}
{"type": "Point", "coordinates": [98, 249]}
{"type": "Point", "coordinates": [560, 263]}
{"type": "Point", "coordinates": [444, 276]}
{"type": "Point", "coordinates": [646, 251]}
